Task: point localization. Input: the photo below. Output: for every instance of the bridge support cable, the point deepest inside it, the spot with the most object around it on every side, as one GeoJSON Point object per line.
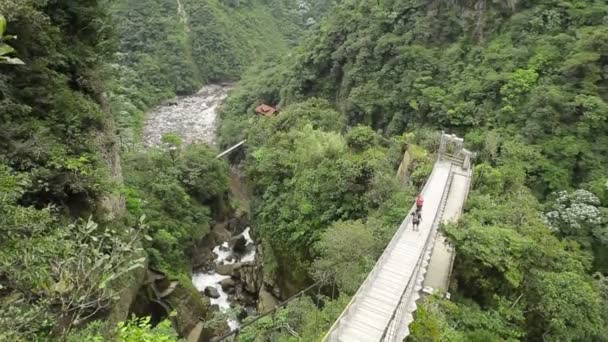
{"type": "Point", "coordinates": [231, 149]}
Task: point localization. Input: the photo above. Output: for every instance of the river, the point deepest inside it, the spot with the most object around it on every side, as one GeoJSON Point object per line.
{"type": "Point", "coordinates": [194, 118]}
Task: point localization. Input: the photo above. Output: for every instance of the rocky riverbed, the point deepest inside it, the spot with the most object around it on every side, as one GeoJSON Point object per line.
{"type": "Point", "coordinates": [225, 265]}
{"type": "Point", "coordinates": [194, 117]}
{"type": "Point", "coordinates": [223, 284]}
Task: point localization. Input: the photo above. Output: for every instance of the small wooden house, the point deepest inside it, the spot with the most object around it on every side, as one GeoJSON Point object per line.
{"type": "Point", "coordinates": [266, 110]}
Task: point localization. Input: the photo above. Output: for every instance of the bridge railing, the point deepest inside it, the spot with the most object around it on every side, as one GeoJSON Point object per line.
{"type": "Point", "coordinates": [352, 305]}
{"type": "Point", "coordinates": [396, 323]}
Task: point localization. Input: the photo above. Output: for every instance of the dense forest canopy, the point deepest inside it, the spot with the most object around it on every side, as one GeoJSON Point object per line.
{"type": "Point", "coordinates": [525, 83]}
{"type": "Point", "coordinates": [85, 210]}
{"type": "Point", "coordinates": [168, 48]}
{"type": "Point", "coordinates": [79, 213]}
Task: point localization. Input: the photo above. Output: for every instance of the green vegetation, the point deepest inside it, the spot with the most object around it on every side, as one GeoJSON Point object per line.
{"type": "Point", "coordinates": [302, 316]}
{"type": "Point", "coordinates": [66, 243]}
{"type": "Point", "coordinates": [179, 191]}
{"type": "Point", "coordinates": [169, 47]}
{"type": "Point", "coordinates": [56, 271]}
{"type": "Point", "coordinates": [309, 171]}
{"type": "Point", "coordinates": [6, 50]}
{"type": "Point", "coordinates": [523, 81]}
{"type": "Point", "coordinates": [136, 330]}
{"type": "Point", "coordinates": [56, 274]}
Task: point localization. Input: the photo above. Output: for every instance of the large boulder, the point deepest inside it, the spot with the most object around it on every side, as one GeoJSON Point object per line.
{"type": "Point", "coordinates": [212, 292]}
{"type": "Point", "coordinates": [238, 244]}
{"type": "Point", "coordinates": [229, 269]}
{"type": "Point", "coordinates": [244, 298]}
{"type": "Point", "coordinates": [266, 301]}
{"type": "Point", "coordinates": [251, 276]}
{"type": "Point", "coordinates": [191, 307]}
{"type": "Point", "coordinates": [238, 223]}
{"type": "Point", "coordinates": [203, 257]}
{"type": "Point", "coordinates": [220, 233]}
{"type": "Point", "coordinates": [227, 284]}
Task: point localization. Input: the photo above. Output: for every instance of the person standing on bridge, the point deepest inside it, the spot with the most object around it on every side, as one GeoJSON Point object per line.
{"type": "Point", "coordinates": [416, 218]}
{"type": "Point", "coordinates": [419, 203]}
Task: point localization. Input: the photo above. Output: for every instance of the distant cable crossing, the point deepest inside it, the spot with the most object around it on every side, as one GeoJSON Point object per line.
{"type": "Point", "coordinates": [231, 149]}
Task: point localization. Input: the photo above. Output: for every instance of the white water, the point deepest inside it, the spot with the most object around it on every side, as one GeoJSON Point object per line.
{"type": "Point", "coordinates": [250, 254]}
{"type": "Point", "coordinates": [202, 280]}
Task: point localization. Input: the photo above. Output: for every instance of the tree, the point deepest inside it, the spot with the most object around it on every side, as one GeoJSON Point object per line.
{"type": "Point", "coordinates": [173, 143]}
{"type": "Point", "coordinates": [576, 215]}
{"type": "Point", "coordinates": [179, 194]}
{"type": "Point", "coordinates": [57, 275]}
{"type": "Point", "coordinates": [346, 253]}
{"type": "Point", "coordinates": [133, 330]}
{"type": "Point", "coordinates": [5, 49]}
{"type": "Point", "coordinates": [564, 307]}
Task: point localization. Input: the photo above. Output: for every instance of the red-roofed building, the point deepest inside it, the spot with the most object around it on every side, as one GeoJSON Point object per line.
{"type": "Point", "coordinates": [265, 110]}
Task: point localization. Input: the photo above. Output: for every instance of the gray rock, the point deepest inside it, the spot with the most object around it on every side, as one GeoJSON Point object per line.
{"type": "Point", "coordinates": [242, 314]}
{"type": "Point", "coordinates": [251, 277]}
{"type": "Point", "coordinates": [228, 270]}
{"type": "Point", "coordinates": [220, 233]}
{"type": "Point", "coordinates": [245, 298]}
{"type": "Point", "coordinates": [266, 301]}
{"type": "Point", "coordinates": [227, 284]}
{"type": "Point", "coordinates": [211, 292]}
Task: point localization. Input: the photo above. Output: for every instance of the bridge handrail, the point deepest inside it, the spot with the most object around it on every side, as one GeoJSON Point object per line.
{"type": "Point", "coordinates": [393, 323]}
{"type": "Point", "coordinates": [384, 255]}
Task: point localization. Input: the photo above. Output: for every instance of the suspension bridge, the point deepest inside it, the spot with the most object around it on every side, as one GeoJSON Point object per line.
{"type": "Point", "coordinates": [383, 307]}
{"type": "Point", "coordinates": [413, 263]}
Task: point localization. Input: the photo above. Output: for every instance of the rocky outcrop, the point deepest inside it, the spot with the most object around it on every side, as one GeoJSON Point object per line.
{"type": "Point", "coordinates": [243, 297]}
{"type": "Point", "coordinates": [130, 287]}
{"type": "Point", "coordinates": [266, 301]}
{"type": "Point", "coordinates": [220, 234]}
{"type": "Point", "coordinates": [404, 168]}
{"type": "Point", "coordinates": [229, 269]}
{"type": "Point", "coordinates": [251, 277]}
{"type": "Point", "coordinates": [228, 284]}
{"type": "Point", "coordinates": [237, 224]}
{"type": "Point", "coordinates": [191, 309]}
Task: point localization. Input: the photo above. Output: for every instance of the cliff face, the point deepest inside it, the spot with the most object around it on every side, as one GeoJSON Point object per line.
{"type": "Point", "coordinates": [59, 165]}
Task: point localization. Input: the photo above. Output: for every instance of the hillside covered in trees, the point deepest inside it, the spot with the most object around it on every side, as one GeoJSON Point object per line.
{"type": "Point", "coordinates": [169, 47]}
{"type": "Point", "coordinates": [86, 212]}
{"type": "Point", "coordinates": [80, 214]}
{"type": "Point", "coordinates": [525, 83]}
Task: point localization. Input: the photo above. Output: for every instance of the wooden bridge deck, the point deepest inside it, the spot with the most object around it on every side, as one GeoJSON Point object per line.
{"type": "Point", "coordinates": [381, 309]}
